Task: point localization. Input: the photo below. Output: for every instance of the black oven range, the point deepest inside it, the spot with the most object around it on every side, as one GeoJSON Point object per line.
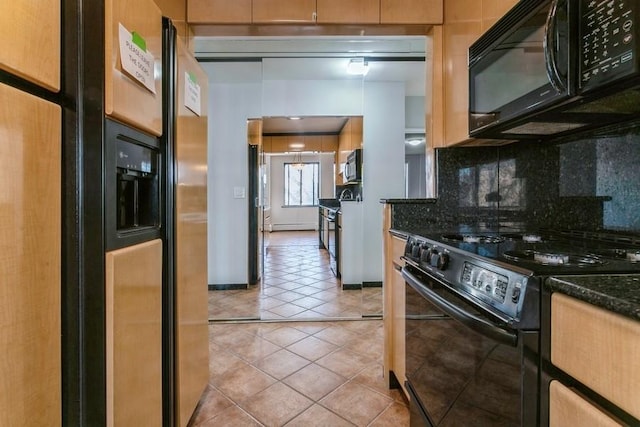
{"type": "Point", "coordinates": [472, 319]}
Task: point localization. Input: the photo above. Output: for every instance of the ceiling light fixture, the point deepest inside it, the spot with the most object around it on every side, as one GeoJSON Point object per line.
{"type": "Point", "coordinates": [294, 118]}
{"type": "Point", "coordinates": [297, 161]}
{"type": "Point", "coordinates": [358, 67]}
{"type": "Point", "coordinates": [415, 141]}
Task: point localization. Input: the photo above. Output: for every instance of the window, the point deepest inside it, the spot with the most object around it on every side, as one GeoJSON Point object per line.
{"type": "Point", "coordinates": [301, 184]}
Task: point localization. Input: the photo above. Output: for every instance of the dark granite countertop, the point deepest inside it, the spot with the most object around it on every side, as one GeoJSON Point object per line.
{"type": "Point", "coordinates": [333, 204]}
{"type": "Point", "coordinates": [617, 293]}
{"type": "Point", "coordinates": [408, 201]}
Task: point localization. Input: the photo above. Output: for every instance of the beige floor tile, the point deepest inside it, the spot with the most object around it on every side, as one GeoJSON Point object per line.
{"type": "Point", "coordinates": [335, 334]}
{"type": "Point", "coordinates": [285, 336]}
{"type": "Point", "coordinates": [211, 404]}
{"type": "Point", "coordinates": [317, 416]}
{"type": "Point", "coordinates": [254, 350]}
{"type": "Point", "coordinates": [308, 302]}
{"type": "Point", "coordinates": [276, 405]}
{"type": "Point", "coordinates": [289, 296]}
{"type": "Point", "coordinates": [394, 416]}
{"type": "Point", "coordinates": [345, 363]}
{"type": "Point", "coordinates": [230, 417]}
{"type": "Point", "coordinates": [281, 364]}
{"type": "Point", "coordinates": [314, 381]}
{"type": "Point", "coordinates": [222, 362]}
{"type": "Point", "coordinates": [312, 348]}
{"type": "Point", "coordinates": [242, 383]}
{"type": "Point", "coordinates": [356, 403]}
{"type": "Point", "coordinates": [287, 310]}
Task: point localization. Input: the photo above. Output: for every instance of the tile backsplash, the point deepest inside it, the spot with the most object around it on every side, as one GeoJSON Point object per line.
{"type": "Point", "coordinates": [588, 183]}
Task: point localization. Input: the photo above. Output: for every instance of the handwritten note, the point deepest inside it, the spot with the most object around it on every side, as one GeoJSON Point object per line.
{"type": "Point", "coordinates": [136, 61]}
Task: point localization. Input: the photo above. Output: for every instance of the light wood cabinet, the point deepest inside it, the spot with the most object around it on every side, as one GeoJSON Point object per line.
{"type": "Point", "coordinates": [30, 41]}
{"type": "Point", "coordinates": [464, 22]}
{"type": "Point", "coordinates": [219, 11]}
{"type": "Point", "coordinates": [567, 408]}
{"type": "Point", "coordinates": [394, 304]}
{"type": "Point", "coordinates": [126, 99]}
{"type": "Point", "coordinates": [411, 11]}
{"type": "Point", "coordinates": [356, 132]}
{"type": "Point", "coordinates": [283, 11]}
{"type": "Point", "coordinates": [348, 11]}
{"type": "Point", "coordinates": [191, 315]}
{"type": "Point", "coordinates": [30, 248]}
{"type": "Point", "coordinates": [134, 335]}
{"type": "Point", "coordinates": [254, 131]}
{"type": "Point", "coordinates": [492, 10]}
{"type": "Point", "coordinates": [313, 143]}
{"type": "Point", "coordinates": [329, 143]}
{"type": "Point", "coordinates": [598, 348]}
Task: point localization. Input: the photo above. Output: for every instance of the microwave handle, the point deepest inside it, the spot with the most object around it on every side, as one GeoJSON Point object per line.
{"type": "Point", "coordinates": [549, 50]}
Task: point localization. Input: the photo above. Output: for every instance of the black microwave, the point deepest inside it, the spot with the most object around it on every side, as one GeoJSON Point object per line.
{"type": "Point", "coordinates": [353, 167]}
{"type": "Point", "coordinates": [552, 67]}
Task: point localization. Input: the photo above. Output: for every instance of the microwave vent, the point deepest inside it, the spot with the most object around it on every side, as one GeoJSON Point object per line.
{"type": "Point", "coordinates": [543, 128]}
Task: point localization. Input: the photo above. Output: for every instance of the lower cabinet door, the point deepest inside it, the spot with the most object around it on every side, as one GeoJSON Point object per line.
{"type": "Point", "coordinates": [134, 335]}
{"type": "Point", "coordinates": [30, 233]}
{"type": "Point", "coordinates": [567, 408]}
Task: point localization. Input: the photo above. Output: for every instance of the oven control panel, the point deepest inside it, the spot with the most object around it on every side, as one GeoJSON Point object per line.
{"type": "Point", "coordinates": [485, 281]}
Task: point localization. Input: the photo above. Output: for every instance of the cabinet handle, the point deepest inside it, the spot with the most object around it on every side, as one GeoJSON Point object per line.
{"type": "Point", "coordinates": [314, 16]}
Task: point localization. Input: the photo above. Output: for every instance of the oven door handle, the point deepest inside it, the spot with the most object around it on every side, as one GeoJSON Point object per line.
{"type": "Point", "coordinates": [473, 322]}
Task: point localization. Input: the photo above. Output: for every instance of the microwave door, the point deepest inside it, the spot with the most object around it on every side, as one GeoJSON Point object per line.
{"type": "Point", "coordinates": [519, 67]}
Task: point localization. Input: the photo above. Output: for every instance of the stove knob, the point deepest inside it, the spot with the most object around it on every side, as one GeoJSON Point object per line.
{"type": "Point", "coordinates": [415, 250]}
{"type": "Point", "coordinates": [425, 254]}
{"type": "Point", "coordinates": [443, 261]}
{"type": "Point", "coordinates": [407, 247]}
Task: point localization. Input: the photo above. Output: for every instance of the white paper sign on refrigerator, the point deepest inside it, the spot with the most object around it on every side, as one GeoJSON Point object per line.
{"type": "Point", "coordinates": [136, 61]}
{"type": "Point", "coordinates": [191, 93]}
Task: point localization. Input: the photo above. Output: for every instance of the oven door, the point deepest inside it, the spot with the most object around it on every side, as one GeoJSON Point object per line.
{"type": "Point", "coordinates": [462, 366]}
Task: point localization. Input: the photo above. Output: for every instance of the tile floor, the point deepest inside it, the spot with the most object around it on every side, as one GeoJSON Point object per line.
{"type": "Point", "coordinates": [306, 354]}
{"type": "Point", "coordinates": [298, 374]}
{"type": "Point", "coordinates": [297, 285]}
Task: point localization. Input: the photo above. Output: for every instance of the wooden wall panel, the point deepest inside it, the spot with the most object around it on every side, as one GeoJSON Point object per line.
{"type": "Point", "coordinates": [134, 335]}
{"type": "Point", "coordinates": [598, 348]}
{"type": "Point", "coordinates": [192, 338]}
{"type": "Point", "coordinates": [348, 11]}
{"type": "Point", "coordinates": [30, 235]}
{"type": "Point", "coordinates": [125, 98]}
{"type": "Point", "coordinates": [30, 41]}
{"type": "Point", "coordinates": [283, 11]}
{"type": "Point", "coordinates": [219, 11]}
{"type": "Point", "coordinates": [411, 11]}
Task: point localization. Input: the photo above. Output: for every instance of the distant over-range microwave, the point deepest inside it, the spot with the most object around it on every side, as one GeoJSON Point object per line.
{"type": "Point", "coordinates": [353, 167]}
{"type": "Point", "coordinates": [553, 67]}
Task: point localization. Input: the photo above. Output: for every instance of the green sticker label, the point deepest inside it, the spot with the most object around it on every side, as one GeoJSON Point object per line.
{"type": "Point", "coordinates": [192, 77]}
{"type": "Point", "coordinates": [139, 41]}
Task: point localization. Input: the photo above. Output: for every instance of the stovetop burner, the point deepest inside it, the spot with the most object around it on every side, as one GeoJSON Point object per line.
{"type": "Point", "coordinates": [554, 258]}
{"type": "Point", "coordinates": [473, 238]}
{"type": "Point", "coordinates": [525, 237]}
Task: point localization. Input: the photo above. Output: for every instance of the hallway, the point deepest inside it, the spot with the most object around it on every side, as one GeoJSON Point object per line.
{"type": "Point", "coordinates": [297, 350]}
{"type": "Point", "coordinates": [297, 285]}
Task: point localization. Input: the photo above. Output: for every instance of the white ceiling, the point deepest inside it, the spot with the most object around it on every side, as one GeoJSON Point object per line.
{"type": "Point", "coordinates": [317, 58]}
{"type": "Point", "coordinates": [256, 59]}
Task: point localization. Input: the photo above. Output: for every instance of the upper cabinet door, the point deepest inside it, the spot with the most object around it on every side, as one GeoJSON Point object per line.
{"type": "Point", "coordinates": [348, 11]}
{"type": "Point", "coordinates": [133, 82]}
{"type": "Point", "coordinates": [492, 10]}
{"type": "Point", "coordinates": [283, 11]}
{"type": "Point", "coordinates": [30, 41]}
{"type": "Point", "coordinates": [411, 11]}
{"type": "Point", "coordinates": [219, 11]}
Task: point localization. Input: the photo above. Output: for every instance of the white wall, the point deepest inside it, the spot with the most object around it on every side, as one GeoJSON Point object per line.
{"type": "Point", "coordinates": [381, 104]}
{"type": "Point", "coordinates": [230, 104]}
{"type": "Point", "coordinates": [383, 166]}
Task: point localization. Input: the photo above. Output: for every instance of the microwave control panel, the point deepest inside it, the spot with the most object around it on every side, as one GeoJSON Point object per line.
{"type": "Point", "coordinates": [608, 35]}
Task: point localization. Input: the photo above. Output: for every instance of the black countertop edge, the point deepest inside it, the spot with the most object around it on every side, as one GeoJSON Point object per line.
{"type": "Point", "coordinates": [399, 233]}
{"type": "Point", "coordinates": [617, 293]}
{"type": "Point", "coordinates": [408, 201]}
